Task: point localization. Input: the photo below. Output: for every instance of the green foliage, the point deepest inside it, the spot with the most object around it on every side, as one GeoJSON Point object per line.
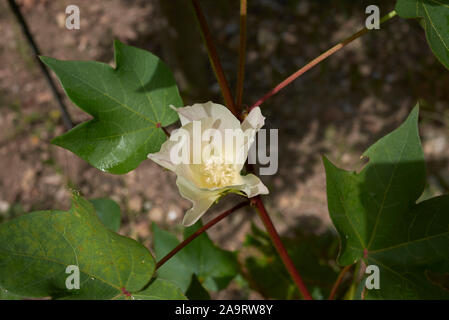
{"type": "Point", "coordinates": [108, 211]}
{"type": "Point", "coordinates": [434, 15]}
{"type": "Point", "coordinates": [6, 295]}
{"type": "Point", "coordinates": [214, 267]}
{"type": "Point", "coordinates": [158, 289]}
{"type": "Point", "coordinates": [311, 254]}
{"type": "Point", "coordinates": [128, 103]}
{"type": "Point", "coordinates": [36, 249]}
{"type": "Point", "coordinates": [196, 290]}
{"type": "Point", "coordinates": [376, 215]}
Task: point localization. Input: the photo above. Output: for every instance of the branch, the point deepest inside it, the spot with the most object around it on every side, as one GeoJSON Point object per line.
{"type": "Point", "coordinates": [200, 231]}
{"type": "Point", "coordinates": [29, 37]}
{"type": "Point", "coordinates": [242, 53]}
{"type": "Point", "coordinates": [317, 60]}
{"type": "Point", "coordinates": [214, 58]}
{"type": "Point", "coordinates": [338, 281]}
{"type": "Point", "coordinates": [257, 202]}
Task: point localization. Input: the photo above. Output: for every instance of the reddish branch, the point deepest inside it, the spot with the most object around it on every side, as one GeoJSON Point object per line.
{"type": "Point", "coordinates": [257, 202]}
{"type": "Point", "coordinates": [200, 231]}
{"type": "Point", "coordinates": [317, 60]}
{"type": "Point", "coordinates": [338, 281]}
{"type": "Point", "coordinates": [214, 58]}
{"type": "Point", "coordinates": [242, 53]}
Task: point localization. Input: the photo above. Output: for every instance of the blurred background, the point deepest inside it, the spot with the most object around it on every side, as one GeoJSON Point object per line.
{"type": "Point", "coordinates": [337, 109]}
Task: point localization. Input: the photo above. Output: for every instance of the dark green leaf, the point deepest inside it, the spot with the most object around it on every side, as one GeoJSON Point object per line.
{"type": "Point", "coordinates": [6, 295]}
{"type": "Point", "coordinates": [158, 289]}
{"type": "Point", "coordinates": [311, 255]}
{"type": "Point", "coordinates": [196, 290]}
{"type": "Point", "coordinates": [376, 215]}
{"type": "Point", "coordinates": [214, 267]}
{"type": "Point", "coordinates": [36, 249]}
{"type": "Point", "coordinates": [108, 212]}
{"type": "Point", "coordinates": [128, 104]}
{"type": "Point", "coordinates": [435, 16]}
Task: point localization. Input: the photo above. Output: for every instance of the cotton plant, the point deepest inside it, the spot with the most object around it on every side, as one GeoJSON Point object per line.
{"type": "Point", "coordinates": [384, 225]}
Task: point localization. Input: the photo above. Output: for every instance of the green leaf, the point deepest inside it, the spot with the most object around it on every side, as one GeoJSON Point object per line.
{"type": "Point", "coordinates": [376, 215]}
{"type": "Point", "coordinates": [196, 290]}
{"type": "Point", "coordinates": [158, 289]}
{"type": "Point", "coordinates": [434, 15]}
{"type": "Point", "coordinates": [108, 212]}
{"type": "Point", "coordinates": [6, 295]}
{"type": "Point", "coordinates": [128, 103]}
{"type": "Point", "coordinates": [311, 254]}
{"type": "Point", "coordinates": [214, 267]}
{"type": "Point", "coordinates": [36, 249]}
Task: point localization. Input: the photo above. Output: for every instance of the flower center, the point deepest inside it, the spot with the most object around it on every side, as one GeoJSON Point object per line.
{"type": "Point", "coordinates": [217, 174]}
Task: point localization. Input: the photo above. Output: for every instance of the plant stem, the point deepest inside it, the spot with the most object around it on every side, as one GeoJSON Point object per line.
{"type": "Point", "coordinates": [317, 60]}
{"type": "Point", "coordinates": [215, 62]}
{"type": "Point", "coordinates": [200, 231]}
{"type": "Point", "coordinates": [338, 281]}
{"type": "Point", "coordinates": [29, 37]}
{"type": "Point", "coordinates": [257, 201]}
{"type": "Point", "coordinates": [242, 53]}
{"type": "Point", "coordinates": [214, 58]}
{"type": "Point", "coordinates": [166, 132]}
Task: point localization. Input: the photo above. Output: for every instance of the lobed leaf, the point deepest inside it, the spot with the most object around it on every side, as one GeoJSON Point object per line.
{"type": "Point", "coordinates": [129, 105]}
{"type": "Point", "coordinates": [376, 215]}
{"type": "Point", "coordinates": [35, 250]}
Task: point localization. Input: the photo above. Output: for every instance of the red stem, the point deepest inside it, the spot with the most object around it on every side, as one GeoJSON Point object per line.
{"type": "Point", "coordinates": [257, 201]}
{"type": "Point", "coordinates": [307, 67]}
{"type": "Point", "coordinates": [200, 231]}
{"type": "Point", "coordinates": [242, 52]}
{"type": "Point", "coordinates": [338, 281]}
{"type": "Point", "coordinates": [166, 132]}
{"type": "Point", "coordinates": [214, 58]}
{"type": "Point", "coordinates": [215, 62]}
{"type": "Point", "coordinates": [317, 60]}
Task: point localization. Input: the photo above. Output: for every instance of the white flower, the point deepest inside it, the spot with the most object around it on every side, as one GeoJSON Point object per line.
{"type": "Point", "coordinates": [218, 171]}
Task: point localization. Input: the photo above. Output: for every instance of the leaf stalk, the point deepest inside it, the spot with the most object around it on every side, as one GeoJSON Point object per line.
{"type": "Point", "coordinates": [316, 61]}
{"type": "Point", "coordinates": [199, 232]}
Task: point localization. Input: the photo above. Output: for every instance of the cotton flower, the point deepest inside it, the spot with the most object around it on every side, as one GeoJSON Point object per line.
{"type": "Point", "coordinates": [214, 147]}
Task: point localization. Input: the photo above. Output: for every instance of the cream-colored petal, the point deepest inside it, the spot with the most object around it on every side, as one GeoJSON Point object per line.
{"type": "Point", "coordinates": [209, 109]}
{"type": "Point", "coordinates": [253, 186]}
{"type": "Point", "coordinates": [201, 200]}
{"type": "Point", "coordinates": [252, 123]}
{"type": "Point", "coordinates": [198, 209]}
{"type": "Point", "coordinates": [254, 120]}
{"type": "Point", "coordinates": [162, 157]}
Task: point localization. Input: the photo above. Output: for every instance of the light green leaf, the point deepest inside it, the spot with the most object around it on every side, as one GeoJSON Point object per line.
{"type": "Point", "coordinates": [214, 267]}
{"type": "Point", "coordinates": [128, 103]}
{"type": "Point", "coordinates": [108, 212]}
{"type": "Point", "coordinates": [376, 215]}
{"type": "Point", "coordinates": [36, 249]}
{"type": "Point", "coordinates": [435, 17]}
